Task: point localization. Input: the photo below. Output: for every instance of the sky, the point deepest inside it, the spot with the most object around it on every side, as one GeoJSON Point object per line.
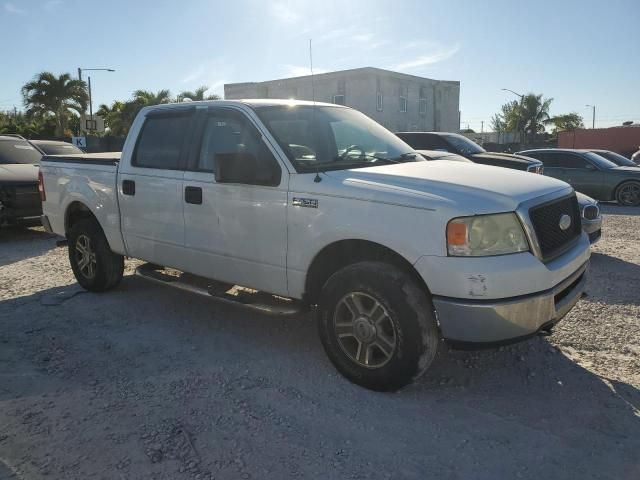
{"type": "Point", "coordinates": [576, 52]}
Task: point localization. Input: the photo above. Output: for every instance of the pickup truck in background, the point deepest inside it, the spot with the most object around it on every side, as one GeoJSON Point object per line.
{"type": "Point", "coordinates": [284, 205]}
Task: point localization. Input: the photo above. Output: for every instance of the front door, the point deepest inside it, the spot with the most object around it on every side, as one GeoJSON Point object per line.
{"type": "Point", "coordinates": [150, 189]}
{"type": "Point", "coordinates": [236, 232]}
{"type": "Point", "coordinates": [583, 176]}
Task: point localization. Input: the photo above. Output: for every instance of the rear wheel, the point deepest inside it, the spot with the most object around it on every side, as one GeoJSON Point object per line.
{"type": "Point", "coordinates": [94, 265]}
{"type": "Point", "coordinates": [377, 325]}
{"type": "Point", "coordinates": [628, 194]}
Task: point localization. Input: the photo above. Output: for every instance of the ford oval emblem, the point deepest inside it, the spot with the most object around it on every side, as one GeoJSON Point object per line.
{"type": "Point", "coordinates": [565, 222]}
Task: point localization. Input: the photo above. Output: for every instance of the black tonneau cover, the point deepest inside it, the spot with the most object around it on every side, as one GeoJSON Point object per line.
{"type": "Point", "coordinates": [106, 158]}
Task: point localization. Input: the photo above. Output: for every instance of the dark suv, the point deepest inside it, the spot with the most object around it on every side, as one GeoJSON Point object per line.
{"type": "Point", "coordinates": [460, 145]}
{"type": "Point", "coordinates": [19, 166]}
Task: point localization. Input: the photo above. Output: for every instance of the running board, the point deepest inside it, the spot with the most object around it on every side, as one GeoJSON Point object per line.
{"type": "Point", "coordinates": [224, 292]}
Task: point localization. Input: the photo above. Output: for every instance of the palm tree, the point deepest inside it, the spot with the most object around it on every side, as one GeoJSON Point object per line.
{"type": "Point", "coordinates": [198, 95]}
{"type": "Point", "coordinates": [147, 98]}
{"type": "Point", "coordinates": [534, 112]}
{"type": "Point", "coordinates": [56, 96]}
{"type": "Point", "coordinates": [114, 118]}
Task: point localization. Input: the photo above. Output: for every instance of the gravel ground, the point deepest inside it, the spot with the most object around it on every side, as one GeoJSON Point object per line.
{"type": "Point", "coordinates": [148, 382]}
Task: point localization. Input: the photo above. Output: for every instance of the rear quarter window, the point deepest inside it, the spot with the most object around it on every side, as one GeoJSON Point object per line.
{"type": "Point", "coordinates": [161, 142]}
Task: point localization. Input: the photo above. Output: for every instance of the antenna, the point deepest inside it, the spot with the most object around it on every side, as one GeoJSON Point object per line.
{"type": "Point", "coordinates": [317, 178]}
{"type": "Point", "coordinates": [313, 89]}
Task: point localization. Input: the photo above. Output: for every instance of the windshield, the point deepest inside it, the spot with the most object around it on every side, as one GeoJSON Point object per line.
{"type": "Point", "coordinates": [18, 151]}
{"type": "Point", "coordinates": [617, 159]}
{"type": "Point", "coordinates": [463, 145]}
{"type": "Point", "coordinates": [332, 138]}
{"type": "Point", "coordinates": [58, 148]}
{"type": "Point", "coordinates": [601, 162]}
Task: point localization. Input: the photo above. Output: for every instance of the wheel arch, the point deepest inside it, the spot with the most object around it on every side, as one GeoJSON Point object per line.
{"type": "Point", "coordinates": [614, 195]}
{"type": "Point", "coordinates": [342, 253]}
{"type": "Point", "coordinates": [76, 211]}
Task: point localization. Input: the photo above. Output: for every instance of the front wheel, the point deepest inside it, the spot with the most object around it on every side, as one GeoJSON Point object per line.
{"type": "Point", "coordinates": [628, 194]}
{"type": "Point", "coordinates": [377, 325]}
{"type": "Point", "coordinates": [94, 265]}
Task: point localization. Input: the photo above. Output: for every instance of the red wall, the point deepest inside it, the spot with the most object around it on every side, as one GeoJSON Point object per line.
{"type": "Point", "coordinates": [623, 140]}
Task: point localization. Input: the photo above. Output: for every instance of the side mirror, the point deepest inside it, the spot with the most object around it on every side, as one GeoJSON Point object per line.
{"type": "Point", "coordinates": [235, 168]}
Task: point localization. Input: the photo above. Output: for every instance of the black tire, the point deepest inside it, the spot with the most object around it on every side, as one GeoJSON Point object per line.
{"type": "Point", "coordinates": [107, 267]}
{"type": "Point", "coordinates": [628, 194]}
{"type": "Point", "coordinates": [407, 308]}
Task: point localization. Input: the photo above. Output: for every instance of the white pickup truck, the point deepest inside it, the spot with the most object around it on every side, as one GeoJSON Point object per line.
{"type": "Point", "coordinates": [280, 205]}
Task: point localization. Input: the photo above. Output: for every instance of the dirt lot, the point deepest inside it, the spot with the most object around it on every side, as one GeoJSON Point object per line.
{"type": "Point", "coordinates": [148, 382]}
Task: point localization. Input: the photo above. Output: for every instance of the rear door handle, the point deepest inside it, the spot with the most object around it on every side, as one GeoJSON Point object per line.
{"type": "Point", "coordinates": [193, 195]}
{"type": "Point", "coordinates": [128, 187]}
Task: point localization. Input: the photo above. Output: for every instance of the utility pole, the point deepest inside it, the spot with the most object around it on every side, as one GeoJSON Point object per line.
{"type": "Point", "coordinates": [522, 139]}
{"type": "Point", "coordinates": [482, 126]}
{"type": "Point", "coordinates": [90, 104]}
{"type": "Point", "coordinates": [593, 120]}
{"type": "Point", "coordinates": [89, 88]}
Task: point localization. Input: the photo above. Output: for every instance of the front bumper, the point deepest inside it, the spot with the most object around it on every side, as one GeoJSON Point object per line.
{"type": "Point", "coordinates": [503, 321]}
{"type": "Point", "coordinates": [593, 228]}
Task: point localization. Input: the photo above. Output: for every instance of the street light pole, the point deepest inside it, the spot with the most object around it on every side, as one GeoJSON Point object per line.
{"type": "Point", "coordinates": [593, 121]}
{"type": "Point", "coordinates": [521, 110]}
{"type": "Point", "coordinates": [90, 103]}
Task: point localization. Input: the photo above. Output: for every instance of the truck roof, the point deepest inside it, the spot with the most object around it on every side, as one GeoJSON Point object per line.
{"type": "Point", "coordinates": [255, 102]}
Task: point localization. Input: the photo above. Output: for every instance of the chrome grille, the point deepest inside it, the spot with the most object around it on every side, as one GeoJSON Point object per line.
{"type": "Point", "coordinates": [546, 220]}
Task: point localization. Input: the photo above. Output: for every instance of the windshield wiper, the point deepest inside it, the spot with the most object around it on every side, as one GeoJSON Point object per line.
{"type": "Point", "coordinates": [399, 159]}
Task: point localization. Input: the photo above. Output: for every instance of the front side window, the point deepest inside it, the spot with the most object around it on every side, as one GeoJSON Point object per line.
{"type": "Point", "coordinates": [566, 160]}
{"type": "Point", "coordinates": [160, 142]}
{"type": "Point", "coordinates": [331, 138]}
{"type": "Point", "coordinates": [229, 134]}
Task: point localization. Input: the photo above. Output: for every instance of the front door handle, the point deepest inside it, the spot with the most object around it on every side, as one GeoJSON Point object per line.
{"type": "Point", "coordinates": [128, 187]}
{"type": "Point", "coordinates": [193, 195]}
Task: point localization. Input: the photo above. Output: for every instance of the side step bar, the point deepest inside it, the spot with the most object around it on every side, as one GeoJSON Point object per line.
{"type": "Point", "coordinates": [224, 292]}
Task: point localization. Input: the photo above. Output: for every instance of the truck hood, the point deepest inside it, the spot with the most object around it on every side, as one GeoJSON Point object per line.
{"type": "Point", "coordinates": [467, 187]}
{"type": "Point", "coordinates": [18, 173]}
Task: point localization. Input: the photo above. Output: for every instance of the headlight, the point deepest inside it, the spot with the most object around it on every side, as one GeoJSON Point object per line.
{"type": "Point", "coordinates": [485, 235]}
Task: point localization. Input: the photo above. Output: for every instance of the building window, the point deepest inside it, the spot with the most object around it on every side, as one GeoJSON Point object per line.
{"type": "Point", "coordinates": [379, 101]}
{"type": "Point", "coordinates": [423, 106]}
{"type": "Point", "coordinates": [403, 104]}
{"type": "Point", "coordinates": [338, 99]}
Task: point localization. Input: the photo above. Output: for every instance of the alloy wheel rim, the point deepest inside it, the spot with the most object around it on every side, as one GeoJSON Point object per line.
{"type": "Point", "coordinates": [630, 194]}
{"type": "Point", "coordinates": [364, 329]}
{"type": "Point", "coordinates": [85, 257]}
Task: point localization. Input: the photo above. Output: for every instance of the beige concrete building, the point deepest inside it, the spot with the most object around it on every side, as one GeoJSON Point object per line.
{"type": "Point", "coordinates": [398, 101]}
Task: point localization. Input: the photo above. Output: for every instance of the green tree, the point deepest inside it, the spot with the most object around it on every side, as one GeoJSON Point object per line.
{"type": "Point", "coordinates": [114, 118]}
{"type": "Point", "coordinates": [565, 122]}
{"type": "Point", "coordinates": [198, 94]}
{"type": "Point", "coordinates": [530, 115]}
{"type": "Point", "coordinates": [48, 95]}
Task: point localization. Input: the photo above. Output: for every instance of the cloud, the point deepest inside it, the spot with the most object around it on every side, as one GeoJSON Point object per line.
{"type": "Point", "coordinates": [11, 8]}
{"type": "Point", "coordinates": [424, 60]}
{"type": "Point", "coordinates": [194, 74]}
{"type": "Point", "coordinates": [52, 5]}
{"type": "Point", "coordinates": [283, 13]}
{"type": "Point", "coordinates": [301, 71]}
{"type": "Point", "coordinates": [363, 37]}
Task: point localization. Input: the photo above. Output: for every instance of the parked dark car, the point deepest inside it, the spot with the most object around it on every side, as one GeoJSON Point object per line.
{"type": "Point", "coordinates": [614, 157]}
{"type": "Point", "coordinates": [461, 145]}
{"type": "Point", "coordinates": [54, 147]}
{"type": "Point", "coordinates": [591, 174]}
{"type": "Point", "coordinates": [19, 196]}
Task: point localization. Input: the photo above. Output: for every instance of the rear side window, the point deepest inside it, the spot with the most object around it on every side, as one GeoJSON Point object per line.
{"type": "Point", "coordinates": [17, 151]}
{"type": "Point", "coordinates": [548, 159]}
{"type": "Point", "coordinates": [566, 160]}
{"type": "Point", "coordinates": [161, 142]}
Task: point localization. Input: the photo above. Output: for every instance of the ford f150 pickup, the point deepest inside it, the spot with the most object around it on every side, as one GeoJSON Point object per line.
{"type": "Point", "coordinates": [281, 205]}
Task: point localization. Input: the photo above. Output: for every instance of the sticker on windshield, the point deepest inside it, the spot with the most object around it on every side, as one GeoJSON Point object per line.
{"type": "Point", "coordinates": [24, 147]}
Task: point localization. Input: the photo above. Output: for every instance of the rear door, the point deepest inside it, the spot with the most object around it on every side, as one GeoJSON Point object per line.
{"type": "Point", "coordinates": [150, 188]}
{"type": "Point", "coordinates": [236, 232]}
